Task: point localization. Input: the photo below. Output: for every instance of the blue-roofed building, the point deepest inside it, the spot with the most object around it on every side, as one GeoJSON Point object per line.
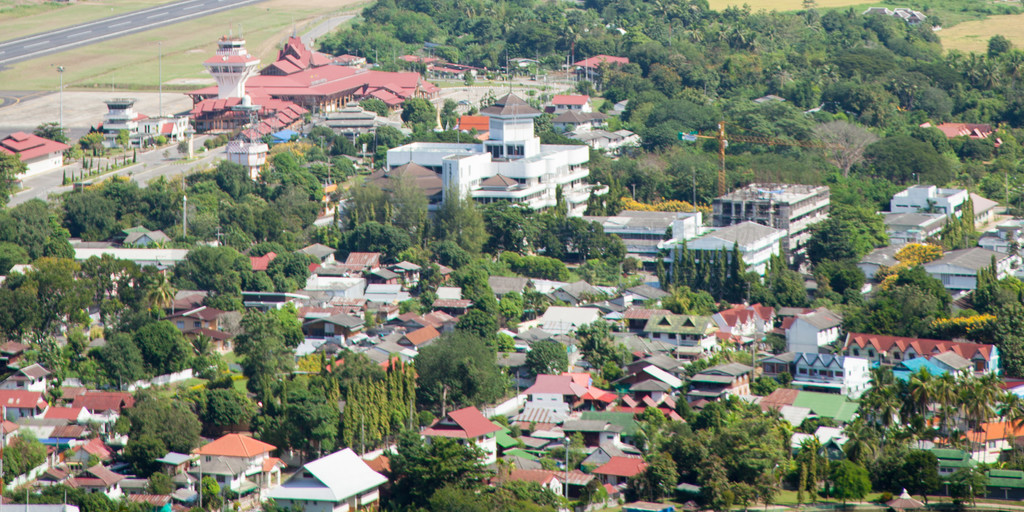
{"type": "Point", "coordinates": [283, 136]}
{"type": "Point", "coordinates": [904, 370]}
{"type": "Point", "coordinates": [829, 373]}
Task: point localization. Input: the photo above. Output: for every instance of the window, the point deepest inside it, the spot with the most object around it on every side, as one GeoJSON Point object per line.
{"type": "Point", "coordinates": [856, 351]}
{"type": "Point", "coordinates": [871, 353]}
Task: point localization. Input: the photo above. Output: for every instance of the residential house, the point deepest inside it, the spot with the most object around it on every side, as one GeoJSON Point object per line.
{"type": "Point", "coordinates": [910, 16]}
{"type": "Point", "coordinates": [969, 130]}
{"type": "Point", "coordinates": [755, 242]}
{"type": "Point", "coordinates": [21, 403]}
{"type": "Point", "coordinates": [565, 320]}
{"type": "Point", "coordinates": [553, 395]}
{"type": "Point", "coordinates": [696, 332]}
{"type": "Point", "coordinates": [1004, 484]}
{"type": "Point", "coordinates": [576, 102]}
{"type": "Point", "coordinates": [984, 210]}
{"type": "Point", "coordinates": [338, 482]}
{"type": "Point", "coordinates": [745, 320]}
{"type": "Point", "coordinates": [174, 463]}
{"type": "Point", "coordinates": [31, 378]}
{"type": "Point", "coordinates": [578, 122]}
{"type": "Point", "coordinates": [146, 238]}
{"type": "Point", "coordinates": [341, 326]}
{"type": "Point", "coordinates": [419, 338]}
{"type": "Point", "coordinates": [958, 270]}
{"type": "Point", "coordinates": [515, 364]}
{"type": "Point", "coordinates": [468, 425]}
{"type": "Point", "coordinates": [104, 406]}
{"type": "Point", "coordinates": [619, 470]}
{"type": "Point", "coordinates": [826, 373]}
{"type": "Point", "coordinates": [636, 318]}
{"type": "Point", "coordinates": [891, 350]}
{"type": "Point", "coordinates": [363, 262]}
{"type": "Point", "coordinates": [878, 259]}
{"type": "Point", "coordinates": [239, 463]}
{"type": "Point", "coordinates": [912, 227]}
{"type": "Point", "coordinates": [453, 307]}
{"type": "Point", "coordinates": [38, 154]}
{"type": "Point", "coordinates": [989, 440]}
{"type": "Point", "coordinates": [385, 294]}
{"type": "Point", "coordinates": [261, 263]}
{"type": "Point", "coordinates": [929, 199]}
{"type": "Point", "coordinates": [577, 293]}
{"type": "Point", "coordinates": [775, 365]}
{"type": "Point", "coordinates": [809, 332]}
{"type": "Point", "coordinates": [594, 432]}
{"type": "Point", "coordinates": [951, 460]}
{"type": "Point", "coordinates": [321, 252]}
{"type": "Point", "coordinates": [71, 414]}
{"type": "Point", "coordinates": [99, 479]}
{"type": "Point", "coordinates": [826, 405]}
{"type": "Point", "coordinates": [383, 276]}
{"type": "Point", "coordinates": [501, 285]}
{"type": "Point", "coordinates": [718, 381]}
{"type": "Point", "coordinates": [409, 273]}
{"type": "Point", "coordinates": [599, 139]}
{"type": "Point", "coordinates": [11, 353]}
{"type": "Point", "coordinates": [605, 452]}
{"type": "Point", "coordinates": [202, 317]}
{"type": "Point", "coordinates": [590, 68]}
{"type": "Point", "coordinates": [547, 479]}
{"type": "Point", "coordinates": [81, 454]}
{"type": "Point", "coordinates": [641, 295]}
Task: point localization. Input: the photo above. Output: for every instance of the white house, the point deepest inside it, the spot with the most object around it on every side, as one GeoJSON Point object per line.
{"type": "Point", "coordinates": [468, 425]}
{"type": "Point", "coordinates": [99, 479]}
{"type": "Point", "coordinates": [929, 199]}
{"type": "Point", "coordinates": [39, 154]}
{"type": "Point", "coordinates": [338, 482]}
{"type": "Point", "coordinates": [31, 378]}
{"type": "Point", "coordinates": [511, 165]}
{"type": "Point", "coordinates": [756, 243]}
{"type": "Point", "coordinates": [645, 233]}
{"type": "Point", "coordinates": [565, 320]}
{"type": "Point", "coordinates": [239, 462]}
{"type": "Point", "coordinates": [958, 270]}
{"type": "Point", "coordinates": [745, 319]}
{"type": "Point", "coordinates": [576, 102]}
{"type": "Point", "coordinates": [827, 373]}
{"type": "Point", "coordinates": [811, 331]}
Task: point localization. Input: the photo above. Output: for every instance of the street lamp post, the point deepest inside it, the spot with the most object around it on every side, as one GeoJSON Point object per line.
{"type": "Point", "coordinates": [60, 71]}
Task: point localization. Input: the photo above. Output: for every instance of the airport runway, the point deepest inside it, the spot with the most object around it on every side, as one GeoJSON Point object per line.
{"type": "Point", "coordinates": [30, 47]}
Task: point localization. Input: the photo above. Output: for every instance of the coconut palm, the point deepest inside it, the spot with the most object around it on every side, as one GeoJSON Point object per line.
{"type": "Point", "coordinates": [945, 394]}
{"type": "Point", "coordinates": [1011, 411]}
{"type": "Point", "coordinates": [160, 293]}
{"type": "Point", "coordinates": [921, 391]}
{"type": "Point", "coordinates": [861, 445]}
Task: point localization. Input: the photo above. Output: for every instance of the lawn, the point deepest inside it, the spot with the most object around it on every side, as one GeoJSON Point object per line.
{"type": "Point", "coordinates": [131, 62]}
{"type": "Point", "coordinates": [972, 36]}
{"type": "Point", "coordinates": [20, 18]}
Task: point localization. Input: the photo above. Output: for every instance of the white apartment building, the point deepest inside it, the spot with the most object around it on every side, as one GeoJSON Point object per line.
{"type": "Point", "coordinates": [810, 332]}
{"type": "Point", "coordinates": [848, 376]}
{"type": "Point", "coordinates": [511, 165]}
{"type": "Point", "coordinates": [644, 233]}
{"type": "Point", "coordinates": [756, 243]}
{"type": "Point", "coordinates": [789, 207]}
{"type": "Point", "coordinates": [929, 199]}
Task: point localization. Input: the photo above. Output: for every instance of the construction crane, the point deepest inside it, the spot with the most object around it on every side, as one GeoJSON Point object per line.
{"type": "Point", "coordinates": [723, 141]}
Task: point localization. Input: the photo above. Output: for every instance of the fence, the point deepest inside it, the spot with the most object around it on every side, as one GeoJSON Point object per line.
{"type": "Point", "coordinates": [161, 380]}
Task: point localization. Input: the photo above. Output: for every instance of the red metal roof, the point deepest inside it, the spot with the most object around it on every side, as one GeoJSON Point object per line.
{"type": "Point", "coordinates": [235, 445]}
{"type": "Point", "coordinates": [28, 146]}
{"type": "Point", "coordinates": [422, 335]}
{"type": "Point", "coordinates": [100, 401]}
{"type": "Point", "coordinates": [464, 423]}
{"type": "Point", "coordinates": [923, 347]}
{"type": "Point", "coordinates": [63, 413]}
{"type": "Point", "coordinates": [621, 466]}
{"type": "Point", "coordinates": [570, 99]}
{"type": "Point", "coordinates": [22, 399]}
{"type": "Point", "coordinates": [597, 60]}
{"type": "Point", "coordinates": [478, 123]}
{"type": "Point", "coordinates": [262, 262]}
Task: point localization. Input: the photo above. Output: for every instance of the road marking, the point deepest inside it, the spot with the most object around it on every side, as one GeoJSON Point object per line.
{"type": "Point", "coordinates": [193, 7]}
{"type": "Point", "coordinates": [154, 15]}
{"type": "Point", "coordinates": [119, 24]}
{"type": "Point", "coordinates": [36, 44]}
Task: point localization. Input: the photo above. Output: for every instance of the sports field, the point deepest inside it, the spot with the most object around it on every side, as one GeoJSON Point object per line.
{"type": "Point", "coordinates": [131, 62]}
{"type": "Point", "coordinates": [972, 36]}
{"type": "Point", "coordinates": [26, 17]}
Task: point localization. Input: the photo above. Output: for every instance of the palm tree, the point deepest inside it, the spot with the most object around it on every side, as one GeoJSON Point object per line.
{"type": "Point", "coordinates": [921, 391]}
{"type": "Point", "coordinates": [161, 293]}
{"type": "Point", "coordinates": [861, 446]}
{"type": "Point", "coordinates": [1011, 410]}
{"type": "Point", "coordinates": [945, 393]}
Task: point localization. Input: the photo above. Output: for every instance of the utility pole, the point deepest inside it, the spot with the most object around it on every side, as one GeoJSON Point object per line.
{"type": "Point", "coordinates": [565, 490]}
{"type": "Point", "coordinates": [160, 74]}
{"type": "Point", "coordinates": [184, 217]}
{"type": "Point", "coordinates": [60, 71]}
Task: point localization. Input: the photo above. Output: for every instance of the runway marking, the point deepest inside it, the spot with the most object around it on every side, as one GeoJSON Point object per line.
{"type": "Point", "coordinates": [119, 24]}
{"type": "Point", "coordinates": [36, 44]}
{"type": "Point", "coordinates": [154, 15]}
{"type": "Point", "coordinates": [193, 7]}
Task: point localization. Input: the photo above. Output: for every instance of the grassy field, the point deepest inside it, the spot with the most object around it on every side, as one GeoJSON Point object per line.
{"type": "Point", "coordinates": [130, 62]}
{"type": "Point", "coordinates": [972, 36]}
{"type": "Point", "coordinates": [21, 18]}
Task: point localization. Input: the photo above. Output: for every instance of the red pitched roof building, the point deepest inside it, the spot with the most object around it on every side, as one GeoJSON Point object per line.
{"type": "Point", "coordinates": [619, 469]}
{"type": "Point", "coordinates": [892, 350]}
{"type": "Point", "coordinates": [39, 154]}
{"type": "Point", "coordinates": [468, 425]}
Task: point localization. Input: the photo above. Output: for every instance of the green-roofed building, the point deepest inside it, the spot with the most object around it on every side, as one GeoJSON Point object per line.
{"type": "Point", "coordinates": [505, 440]}
{"type": "Point", "coordinates": [622, 419]}
{"type": "Point", "coordinates": [827, 405]}
{"type": "Point", "coordinates": [1005, 484]}
{"type": "Point", "coordinates": [519, 452]}
{"type": "Point", "coordinates": [951, 460]}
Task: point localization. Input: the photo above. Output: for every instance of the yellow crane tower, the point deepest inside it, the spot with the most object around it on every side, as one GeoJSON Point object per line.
{"type": "Point", "coordinates": [723, 141]}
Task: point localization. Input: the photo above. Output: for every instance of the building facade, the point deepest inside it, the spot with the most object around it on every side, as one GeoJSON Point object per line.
{"type": "Point", "coordinates": [791, 208]}
{"type": "Point", "coordinates": [511, 165]}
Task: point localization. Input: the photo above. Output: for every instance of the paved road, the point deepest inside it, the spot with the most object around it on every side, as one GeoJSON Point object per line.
{"type": "Point", "coordinates": [151, 165]}
{"type": "Point", "coordinates": [46, 43]}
